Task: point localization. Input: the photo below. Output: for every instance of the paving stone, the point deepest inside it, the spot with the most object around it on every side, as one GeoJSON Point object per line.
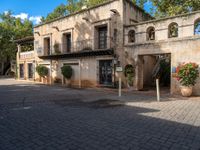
{"type": "Point", "coordinates": [63, 119]}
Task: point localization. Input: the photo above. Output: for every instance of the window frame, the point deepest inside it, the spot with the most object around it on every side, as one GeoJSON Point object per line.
{"type": "Point", "coordinates": [131, 36]}
{"type": "Point", "coordinates": [170, 34]}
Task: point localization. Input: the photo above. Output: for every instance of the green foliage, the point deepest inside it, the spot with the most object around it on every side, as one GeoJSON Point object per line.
{"type": "Point", "coordinates": [67, 71]}
{"type": "Point", "coordinates": [140, 3]}
{"type": "Point", "coordinates": [76, 5]}
{"type": "Point", "coordinates": [27, 47]}
{"type": "Point", "coordinates": [129, 73]}
{"type": "Point", "coordinates": [42, 70]}
{"type": "Point", "coordinates": [57, 48]}
{"type": "Point", "coordinates": [91, 3]}
{"type": "Point", "coordinates": [187, 74]}
{"type": "Point", "coordinates": [59, 11]}
{"type": "Point", "coordinates": [175, 7]}
{"type": "Point", "coordinates": [12, 28]}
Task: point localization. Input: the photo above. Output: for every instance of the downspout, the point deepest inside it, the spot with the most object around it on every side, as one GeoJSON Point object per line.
{"type": "Point", "coordinates": [79, 73]}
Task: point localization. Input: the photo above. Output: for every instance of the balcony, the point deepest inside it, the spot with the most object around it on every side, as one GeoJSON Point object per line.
{"type": "Point", "coordinates": [26, 55]}
{"type": "Point", "coordinates": [83, 48]}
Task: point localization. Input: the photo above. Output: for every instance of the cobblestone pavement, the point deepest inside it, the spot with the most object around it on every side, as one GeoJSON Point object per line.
{"type": "Point", "coordinates": [37, 117]}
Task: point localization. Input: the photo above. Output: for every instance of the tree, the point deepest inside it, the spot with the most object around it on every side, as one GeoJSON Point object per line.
{"type": "Point", "coordinates": [76, 5]}
{"type": "Point", "coordinates": [175, 7]}
{"type": "Point", "coordinates": [140, 3]}
{"type": "Point", "coordinates": [11, 28]}
{"type": "Point", "coordinates": [91, 3]}
{"type": "Point", "coordinates": [58, 12]}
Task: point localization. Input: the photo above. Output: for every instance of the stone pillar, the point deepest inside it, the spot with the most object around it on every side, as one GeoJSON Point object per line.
{"type": "Point", "coordinates": [17, 61]}
{"type": "Point", "coordinates": [139, 73]}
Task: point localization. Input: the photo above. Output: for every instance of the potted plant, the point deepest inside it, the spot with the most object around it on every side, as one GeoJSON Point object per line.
{"type": "Point", "coordinates": [42, 71]}
{"type": "Point", "coordinates": [129, 73]}
{"type": "Point", "coordinates": [187, 75]}
{"type": "Point", "coordinates": [67, 73]}
{"type": "Point", "coordinates": [57, 48]}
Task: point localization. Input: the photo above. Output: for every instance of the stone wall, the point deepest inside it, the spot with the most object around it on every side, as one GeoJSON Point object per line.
{"type": "Point", "coordinates": [184, 48]}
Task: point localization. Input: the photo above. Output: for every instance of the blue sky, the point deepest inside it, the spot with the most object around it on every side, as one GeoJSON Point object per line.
{"type": "Point", "coordinates": [32, 9]}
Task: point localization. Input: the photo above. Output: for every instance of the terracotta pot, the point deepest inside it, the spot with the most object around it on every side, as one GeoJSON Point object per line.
{"type": "Point", "coordinates": [68, 82]}
{"type": "Point", "coordinates": [186, 91]}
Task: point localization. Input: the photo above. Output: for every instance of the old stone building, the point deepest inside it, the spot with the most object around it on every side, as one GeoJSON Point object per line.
{"type": "Point", "coordinates": [95, 40]}
{"type": "Point", "coordinates": [88, 40]}
{"type": "Point", "coordinates": [175, 39]}
{"type": "Point", "coordinates": [25, 59]}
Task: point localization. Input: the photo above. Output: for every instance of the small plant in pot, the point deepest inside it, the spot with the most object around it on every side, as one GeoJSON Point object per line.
{"type": "Point", "coordinates": [42, 71]}
{"type": "Point", "coordinates": [57, 49]}
{"type": "Point", "coordinates": [129, 73]}
{"type": "Point", "coordinates": [187, 75]}
{"type": "Point", "coordinates": [67, 73]}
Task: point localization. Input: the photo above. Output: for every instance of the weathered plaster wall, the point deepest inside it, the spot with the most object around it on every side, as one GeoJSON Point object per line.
{"type": "Point", "coordinates": [184, 48]}
{"type": "Point", "coordinates": [185, 23]}
{"type": "Point", "coordinates": [74, 24]}
{"type": "Point", "coordinates": [133, 14]}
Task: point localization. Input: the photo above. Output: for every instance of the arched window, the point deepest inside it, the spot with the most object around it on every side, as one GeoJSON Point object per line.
{"type": "Point", "coordinates": [173, 30]}
{"type": "Point", "coordinates": [197, 27]}
{"type": "Point", "coordinates": [150, 34]}
{"type": "Point", "coordinates": [131, 36]}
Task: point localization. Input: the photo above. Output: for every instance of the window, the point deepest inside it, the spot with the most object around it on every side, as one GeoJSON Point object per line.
{"type": "Point", "coordinates": [131, 36]}
{"type": "Point", "coordinates": [150, 34]}
{"type": "Point", "coordinates": [67, 42]}
{"type": "Point", "coordinates": [47, 46]}
{"type": "Point", "coordinates": [197, 27]}
{"type": "Point", "coordinates": [102, 36]}
{"type": "Point", "coordinates": [173, 30]}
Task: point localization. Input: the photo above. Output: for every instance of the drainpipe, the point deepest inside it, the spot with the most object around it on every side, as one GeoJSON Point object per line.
{"type": "Point", "coordinates": [50, 72]}
{"type": "Point", "coordinates": [79, 73]}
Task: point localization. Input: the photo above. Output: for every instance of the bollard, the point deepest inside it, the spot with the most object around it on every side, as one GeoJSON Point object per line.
{"type": "Point", "coordinates": [120, 87]}
{"type": "Point", "coordinates": [158, 90]}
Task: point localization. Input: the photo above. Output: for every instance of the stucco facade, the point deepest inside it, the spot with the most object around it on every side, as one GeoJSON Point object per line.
{"type": "Point", "coordinates": [95, 40]}
{"type": "Point", "coordinates": [84, 29]}
{"type": "Point", "coordinates": [25, 65]}
{"type": "Point", "coordinates": [183, 48]}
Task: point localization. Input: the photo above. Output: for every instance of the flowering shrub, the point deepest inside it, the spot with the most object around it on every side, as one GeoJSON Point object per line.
{"type": "Point", "coordinates": [187, 74]}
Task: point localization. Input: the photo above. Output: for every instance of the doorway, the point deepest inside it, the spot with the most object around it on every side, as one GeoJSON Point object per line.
{"type": "Point", "coordinates": [30, 70]}
{"type": "Point", "coordinates": [152, 67]}
{"type": "Point", "coordinates": [21, 71]}
{"type": "Point", "coordinates": [105, 72]}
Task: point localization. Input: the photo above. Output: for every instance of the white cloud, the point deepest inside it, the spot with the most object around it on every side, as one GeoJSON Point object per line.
{"type": "Point", "coordinates": [23, 16]}
{"type": "Point", "coordinates": [6, 12]}
{"type": "Point", "coordinates": [35, 19]}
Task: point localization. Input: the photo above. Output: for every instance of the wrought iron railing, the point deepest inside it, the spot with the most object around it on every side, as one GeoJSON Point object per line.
{"type": "Point", "coordinates": [78, 46]}
{"type": "Point", "coordinates": [26, 55]}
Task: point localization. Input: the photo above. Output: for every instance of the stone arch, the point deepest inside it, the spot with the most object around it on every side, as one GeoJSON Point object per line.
{"type": "Point", "coordinates": [197, 27]}
{"type": "Point", "coordinates": [173, 30]}
{"type": "Point", "coordinates": [150, 33]}
{"type": "Point", "coordinates": [131, 36]}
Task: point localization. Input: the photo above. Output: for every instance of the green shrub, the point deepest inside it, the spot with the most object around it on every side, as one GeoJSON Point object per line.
{"type": "Point", "coordinates": [67, 71]}
{"type": "Point", "coordinates": [42, 70]}
{"type": "Point", "coordinates": [129, 73]}
{"type": "Point", "coordinates": [187, 74]}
